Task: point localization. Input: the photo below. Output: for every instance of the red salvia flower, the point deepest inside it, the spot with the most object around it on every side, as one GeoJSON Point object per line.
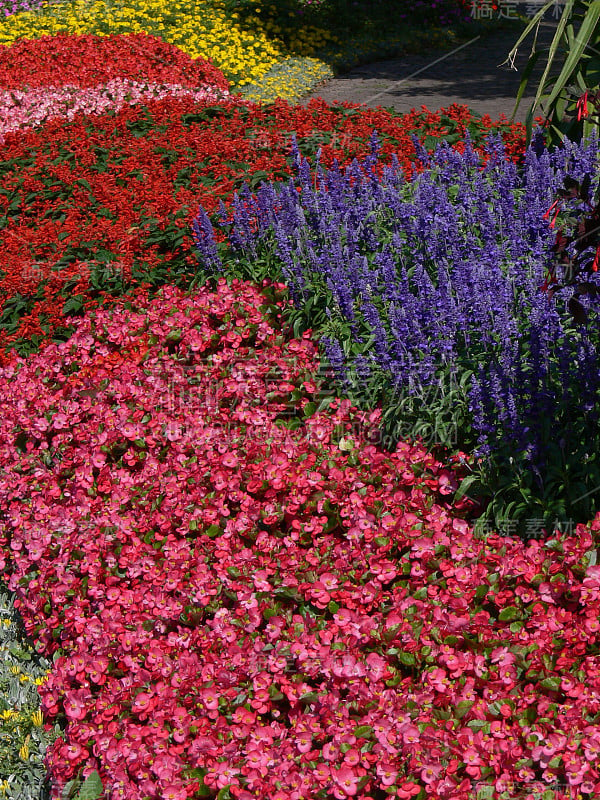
{"type": "Point", "coordinates": [596, 260]}
{"type": "Point", "coordinates": [582, 107]}
{"type": "Point", "coordinates": [556, 208]}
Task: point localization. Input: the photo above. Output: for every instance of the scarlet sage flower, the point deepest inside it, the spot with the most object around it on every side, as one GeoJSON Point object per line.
{"type": "Point", "coordinates": [556, 208]}
{"type": "Point", "coordinates": [582, 107]}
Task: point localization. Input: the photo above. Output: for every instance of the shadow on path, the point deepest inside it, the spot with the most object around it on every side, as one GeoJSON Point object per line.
{"type": "Point", "coordinates": [469, 75]}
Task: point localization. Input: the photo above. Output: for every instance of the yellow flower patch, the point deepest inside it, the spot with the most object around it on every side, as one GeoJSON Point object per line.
{"type": "Point", "coordinates": [289, 80]}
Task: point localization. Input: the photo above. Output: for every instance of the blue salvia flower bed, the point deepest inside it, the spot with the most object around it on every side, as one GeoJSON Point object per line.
{"type": "Point", "coordinates": [426, 295]}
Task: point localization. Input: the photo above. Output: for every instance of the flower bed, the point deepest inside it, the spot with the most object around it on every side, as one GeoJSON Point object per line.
{"type": "Point", "coordinates": [59, 77]}
{"type": "Point", "coordinates": [268, 605]}
{"type": "Point", "coordinates": [427, 297]}
{"type": "Point", "coordinates": [88, 61]}
{"type": "Point", "coordinates": [201, 29]}
{"type": "Point", "coordinates": [93, 205]}
{"type": "Point", "coordinates": [281, 50]}
{"type": "Point", "coordinates": [239, 592]}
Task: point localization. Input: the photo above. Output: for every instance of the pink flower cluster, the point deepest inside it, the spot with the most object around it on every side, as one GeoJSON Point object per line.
{"type": "Point", "coordinates": [239, 605]}
{"type": "Point", "coordinates": [8, 7]}
{"type": "Point", "coordinates": [26, 108]}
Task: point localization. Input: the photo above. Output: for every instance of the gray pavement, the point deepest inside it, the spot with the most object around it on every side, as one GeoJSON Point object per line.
{"type": "Point", "coordinates": [470, 75]}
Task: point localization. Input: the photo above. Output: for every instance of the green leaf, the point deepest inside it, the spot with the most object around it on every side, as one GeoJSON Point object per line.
{"type": "Point", "coordinates": [397, 679]}
{"type": "Point", "coordinates": [552, 52]}
{"type": "Point", "coordinates": [408, 659]}
{"type": "Point", "coordinates": [462, 708]}
{"type": "Point", "coordinates": [309, 409]}
{"type": "Point", "coordinates": [74, 305]}
{"type": "Point", "coordinates": [91, 788]}
{"type": "Point", "coordinates": [470, 480]}
{"type": "Point", "coordinates": [509, 614]}
{"type": "Point", "coordinates": [532, 24]}
{"type": "Point", "coordinates": [580, 43]}
{"type": "Point", "coordinates": [481, 592]}
{"type": "Point", "coordinates": [309, 697]}
{"type": "Point", "coordinates": [515, 627]}
{"type": "Point", "coordinates": [552, 683]}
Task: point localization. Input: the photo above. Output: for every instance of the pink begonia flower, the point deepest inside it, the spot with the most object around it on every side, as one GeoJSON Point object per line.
{"type": "Point", "coordinates": [143, 701]}
{"type": "Point", "coordinates": [73, 751]}
{"type": "Point", "coordinates": [349, 667]}
{"type": "Point", "coordinates": [329, 580]}
{"type": "Point", "coordinates": [429, 774]}
{"type": "Point", "coordinates": [304, 741]}
{"type": "Point", "coordinates": [346, 779]}
{"type": "Point", "coordinates": [36, 550]}
{"type": "Point", "coordinates": [546, 592]}
{"type": "Point", "coordinates": [352, 757]}
{"type": "Point", "coordinates": [165, 767]}
{"type": "Point", "coordinates": [591, 747]}
{"type": "Point", "coordinates": [422, 548]}
{"type": "Point", "coordinates": [330, 751]}
{"type": "Point", "coordinates": [386, 773]}
{"type": "Point", "coordinates": [76, 704]}
{"type": "Point", "coordinates": [471, 757]}
{"type": "Point", "coordinates": [60, 421]}
{"type": "Point", "coordinates": [502, 656]}
{"type": "Point", "coordinates": [407, 789]}
{"type": "Point", "coordinates": [376, 666]}
{"type": "Point", "coordinates": [174, 791]}
{"type": "Point", "coordinates": [230, 460]}
{"type": "Point", "coordinates": [576, 776]}
{"type": "Point", "coordinates": [323, 772]}
{"type": "Point", "coordinates": [222, 775]}
{"type": "Point", "coordinates": [438, 678]}
{"type": "Point", "coordinates": [129, 583]}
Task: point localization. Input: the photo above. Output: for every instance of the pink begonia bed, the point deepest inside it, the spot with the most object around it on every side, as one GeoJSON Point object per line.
{"type": "Point", "coordinates": [241, 608]}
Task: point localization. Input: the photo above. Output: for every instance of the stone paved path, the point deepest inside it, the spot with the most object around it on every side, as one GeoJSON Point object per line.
{"type": "Point", "coordinates": [470, 75]}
